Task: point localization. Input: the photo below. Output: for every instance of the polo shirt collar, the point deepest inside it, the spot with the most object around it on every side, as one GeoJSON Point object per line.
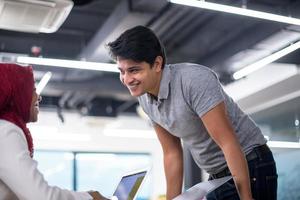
{"type": "Point", "coordinates": [163, 86]}
{"type": "Point", "coordinates": [164, 83]}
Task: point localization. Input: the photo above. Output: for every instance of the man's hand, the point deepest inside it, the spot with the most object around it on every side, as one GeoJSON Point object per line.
{"type": "Point", "coordinates": [97, 196]}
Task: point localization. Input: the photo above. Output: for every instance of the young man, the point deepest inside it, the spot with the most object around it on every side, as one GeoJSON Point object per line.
{"type": "Point", "coordinates": [186, 102]}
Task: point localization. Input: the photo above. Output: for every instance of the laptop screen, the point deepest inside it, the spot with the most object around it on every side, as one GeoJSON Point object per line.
{"type": "Point", "coordinates": [129, 185]}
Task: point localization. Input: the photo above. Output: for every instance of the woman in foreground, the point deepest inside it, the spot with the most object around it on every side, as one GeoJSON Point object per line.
{"type": "Point", "coordinates": [19, 176]}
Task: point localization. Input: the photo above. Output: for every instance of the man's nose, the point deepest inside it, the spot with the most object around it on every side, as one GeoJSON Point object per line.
{"type": "Point", "coordinates": [127, 78]}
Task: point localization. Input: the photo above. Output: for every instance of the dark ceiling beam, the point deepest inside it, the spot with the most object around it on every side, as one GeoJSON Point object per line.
{"type": "Point", "coordinates": [245, 40]}
{"type": "Point", "coordinates": [169, 20]}
{"type": "Point", "coordinates": [252, 35]}
{"type": "Point", "coordinates": [222, 33]}
{"type": "Point", "coordinates": [190, 42]}
{"type": "Point", "coordinates": [51, 44]}
{"type": "Point", "coordinates": [127, 14]}
{"type": "Point", "coordinates": [97, 86]}
{"type": "Point", "coordinates": [180, 30]}
{"type": "Point", "coordinates": [80, 97]}
{"type": "Point", "coordinates": [64, 98]}
{"type": "Point", "coordinates": [177, 25]}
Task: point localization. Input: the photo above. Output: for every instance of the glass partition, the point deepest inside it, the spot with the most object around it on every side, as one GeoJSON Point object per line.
{"type": "Point", "coordinates": [57, 167]}
{"type": "Point", "coordinates": [281, 123]}
{"type": "Point", "coordinates": [103, 171]}
{"type": "Point", "coordinates": [92, 171]}
{"type": "Point", "coordinates": [288, 164]}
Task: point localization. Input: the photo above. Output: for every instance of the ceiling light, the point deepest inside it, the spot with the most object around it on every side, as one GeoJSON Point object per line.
{"type": "Point", "coordinates": [68, 64]}
{"type": "Point", "coordinates": [265, 61]}
{"type": "Point", "coordinates": [238, 11]}
{"type": "Point", "coordinates": [49, 133]}
{"type": "Point", "coordinates": [43, 82]}
{"type": "Point", "coordinates": [69, 137]}
{"type": "Point", "coordinates": [130, 133]}
{"type": "Point", "coordinates": [281, 144]}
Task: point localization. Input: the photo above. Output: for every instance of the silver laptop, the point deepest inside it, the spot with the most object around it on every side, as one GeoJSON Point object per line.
{"type": "Point", "coordinates": [129, 185]}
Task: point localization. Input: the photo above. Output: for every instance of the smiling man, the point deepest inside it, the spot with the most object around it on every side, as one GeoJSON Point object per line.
{"type": "Point", "coordinates": [140, 77]}
{"type": "Point", "coordinates": [186, 102]}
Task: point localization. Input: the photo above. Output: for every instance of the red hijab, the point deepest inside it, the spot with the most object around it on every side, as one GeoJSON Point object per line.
{"type": "Point", "coordinates": [16, 89]}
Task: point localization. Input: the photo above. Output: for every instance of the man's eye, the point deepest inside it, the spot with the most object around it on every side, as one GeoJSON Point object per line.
{"type": "Point", "coordinates": [134, 70]}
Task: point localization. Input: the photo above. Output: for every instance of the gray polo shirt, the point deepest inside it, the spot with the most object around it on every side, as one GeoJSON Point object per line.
{"type": "Point", "coordinates": [188, 91]}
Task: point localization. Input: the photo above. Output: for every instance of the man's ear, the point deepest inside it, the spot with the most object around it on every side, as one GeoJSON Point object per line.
{"type": "Point", "coordinates": [158, 63]}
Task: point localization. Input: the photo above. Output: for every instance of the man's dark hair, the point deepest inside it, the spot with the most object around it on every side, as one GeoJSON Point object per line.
{"type": "Point", "coordinates": [138, 44]}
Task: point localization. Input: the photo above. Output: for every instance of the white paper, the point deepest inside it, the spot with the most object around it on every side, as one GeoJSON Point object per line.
{"type": "Point", "coordinates": [200, 190]}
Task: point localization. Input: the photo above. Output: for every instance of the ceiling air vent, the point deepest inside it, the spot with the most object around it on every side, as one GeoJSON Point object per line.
{"type": "Point", "coordinates": [34, 15]}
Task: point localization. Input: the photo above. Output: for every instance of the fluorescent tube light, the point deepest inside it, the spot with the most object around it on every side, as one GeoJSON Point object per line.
{"type": "Point", "coordinates": [238, 11]}
{"type": "Point", "coordinates": [265, 61]}
{"type": "Point", "coordinates": [69, 137]}
{"type": "Point", "coordinates": [43, 82]}
{"type": "Point", "coordinates": [280, 144]}
{"type": "Point", "coordinates": [53, 133]}
{"type": "Point", "coordinates": [68, 64]}
{"type": "Point", "coordinates": [130, 133]}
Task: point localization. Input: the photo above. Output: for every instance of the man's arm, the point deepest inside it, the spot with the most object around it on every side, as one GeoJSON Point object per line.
{"type": "Point", "coordinates": [220, 129]}
{"type": "Point", "coordinates": [173, 161]}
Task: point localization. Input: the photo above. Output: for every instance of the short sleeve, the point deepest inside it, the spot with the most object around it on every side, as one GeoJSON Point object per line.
{"type": "Point", "coordinates": [204, 91]}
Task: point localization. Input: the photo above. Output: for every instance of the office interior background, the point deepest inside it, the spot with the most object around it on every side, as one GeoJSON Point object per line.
{"type": "Point", "coordinates": [91, 131]}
